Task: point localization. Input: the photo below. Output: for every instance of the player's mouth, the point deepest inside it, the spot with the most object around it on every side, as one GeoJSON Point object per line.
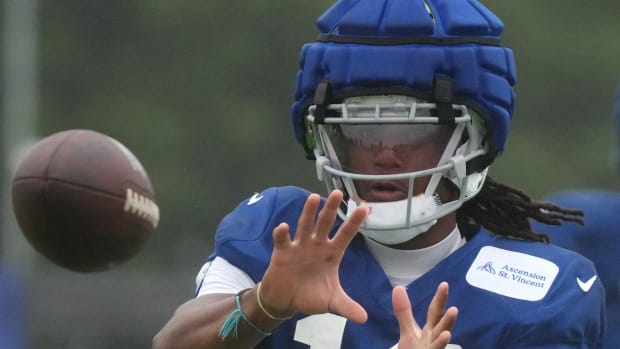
{"type": "Point", "coordinates": [385, 191]}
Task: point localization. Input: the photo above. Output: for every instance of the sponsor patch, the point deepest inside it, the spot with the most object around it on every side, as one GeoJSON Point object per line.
{"type": "Point", "coordinates": [512, 274]}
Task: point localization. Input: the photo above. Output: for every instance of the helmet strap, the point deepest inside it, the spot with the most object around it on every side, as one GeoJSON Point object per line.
{"type": "Point", "coordinates": [443, 96]}
{"type": "Point", "coordinates": [322, 97]}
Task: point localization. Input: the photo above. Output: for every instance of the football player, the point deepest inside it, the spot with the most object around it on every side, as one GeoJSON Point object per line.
{"type": "Point", "coordinates": [403, 105]}
{"type": "Point", "coordinates": [598, 238]}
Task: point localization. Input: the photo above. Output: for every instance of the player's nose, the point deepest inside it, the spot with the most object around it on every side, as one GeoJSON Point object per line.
{"type": "Point", "coordinates": [387, 158]}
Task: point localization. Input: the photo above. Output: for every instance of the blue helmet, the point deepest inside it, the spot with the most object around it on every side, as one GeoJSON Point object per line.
{"type": "Point", "coordinates": [406, 62]}
{"type": "Point", "coordinates": [405, 46]}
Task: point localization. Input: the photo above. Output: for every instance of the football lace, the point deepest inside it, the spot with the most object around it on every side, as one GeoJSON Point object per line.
{"type": "Point", "coordinates": [142, 206]}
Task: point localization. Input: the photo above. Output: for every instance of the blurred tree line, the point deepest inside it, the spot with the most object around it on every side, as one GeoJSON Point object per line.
{"type": "Point", "coordinates": [200, 91]}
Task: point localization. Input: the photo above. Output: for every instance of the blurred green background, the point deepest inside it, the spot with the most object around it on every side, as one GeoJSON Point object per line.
{"type": "Point", "coordinates": [200, 92]}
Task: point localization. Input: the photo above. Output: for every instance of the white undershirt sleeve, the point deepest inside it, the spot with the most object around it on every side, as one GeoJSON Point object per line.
{"type": "Point", "coordinates": [219, 276]}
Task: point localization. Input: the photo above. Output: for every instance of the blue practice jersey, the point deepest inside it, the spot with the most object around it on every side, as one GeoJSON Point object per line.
{"type": "Point", "coordinates": [598, 240]}
{"type": "Point", "coordinates": [510, 293]}
{"type": "Point", "coordinates": [12, 311]}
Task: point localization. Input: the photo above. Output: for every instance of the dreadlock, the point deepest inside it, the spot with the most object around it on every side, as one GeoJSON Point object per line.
{"type": "Point", "coordinates": [506, 211]}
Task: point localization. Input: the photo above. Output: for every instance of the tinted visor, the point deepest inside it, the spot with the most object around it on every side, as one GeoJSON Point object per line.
{"type": "Point", "coordinates": [355, 147]}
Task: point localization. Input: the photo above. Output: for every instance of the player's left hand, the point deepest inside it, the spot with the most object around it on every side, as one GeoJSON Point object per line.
{"type": "Point", "coordinates": [439, 322]}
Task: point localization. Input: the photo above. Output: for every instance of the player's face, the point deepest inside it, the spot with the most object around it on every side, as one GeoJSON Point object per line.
{"type": "Point", "coordinates": [391, 149]}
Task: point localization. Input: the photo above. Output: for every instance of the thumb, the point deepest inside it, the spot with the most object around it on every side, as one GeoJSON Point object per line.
{"type": "Point", "coordinates": [345, 306]}
{"type": "Point", "coordinates": [404, 313]}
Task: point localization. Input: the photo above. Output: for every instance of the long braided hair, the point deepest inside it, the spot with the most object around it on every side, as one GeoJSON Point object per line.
{"type": "Point", "coordinates": [506, 211]}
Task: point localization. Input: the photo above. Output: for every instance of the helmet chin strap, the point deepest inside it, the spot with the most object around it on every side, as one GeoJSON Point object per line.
{"type": "Point", "coordinates": [384, 216]}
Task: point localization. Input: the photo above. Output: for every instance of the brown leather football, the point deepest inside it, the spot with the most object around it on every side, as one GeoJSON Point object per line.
{"type": "Point", "coordinates": [83, 200]}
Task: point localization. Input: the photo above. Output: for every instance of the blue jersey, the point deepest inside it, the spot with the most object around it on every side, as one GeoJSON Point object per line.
{"type": "Point", "coordinates": [510, 293]}
{"type": "Point", "coordinates": [12, 311]}
{"type": "Point", "coordinates": [597, 240]}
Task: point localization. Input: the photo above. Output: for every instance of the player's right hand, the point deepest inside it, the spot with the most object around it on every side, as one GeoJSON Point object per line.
{"type": "Point", "coordinates": [303, 272]}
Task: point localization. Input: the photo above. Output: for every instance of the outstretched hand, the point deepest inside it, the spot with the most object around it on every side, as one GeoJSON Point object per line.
{"type": "Point", "coordinates": [303, 273]}
{"type": "Point", "coordinates": [439, 322]}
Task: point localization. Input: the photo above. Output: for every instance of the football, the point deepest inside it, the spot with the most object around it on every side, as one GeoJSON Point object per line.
{"type": "Point", "coordinates": [83, 200]}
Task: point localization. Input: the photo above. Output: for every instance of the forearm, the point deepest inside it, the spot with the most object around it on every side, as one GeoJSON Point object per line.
{"type": "Point", "coordinates": [197, 323]}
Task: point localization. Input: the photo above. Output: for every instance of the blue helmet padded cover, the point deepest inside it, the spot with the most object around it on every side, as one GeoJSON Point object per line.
{"type": "Point", "coordinates": [399, 47]}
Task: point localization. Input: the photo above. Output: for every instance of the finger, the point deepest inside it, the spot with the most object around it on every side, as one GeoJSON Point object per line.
{"type": "Point", "coordinates": [441, 341]}
{"type": "Point", "coordinates": [305, 224]}
{"type": "Point", "coordinates": [328, 214]}
{"type": "Point", "coordinates": [350, 227]}
{"type": "Point", "coordinates": [437, 307]}
{"type": "Point", "coordinates": [281, 236]}
{"type": "Point", "coordinates": [345, 306]}
{"type": "Point", "coordinates": [404, 313]}
{"type": "Point", "coordinates": [447, 321]}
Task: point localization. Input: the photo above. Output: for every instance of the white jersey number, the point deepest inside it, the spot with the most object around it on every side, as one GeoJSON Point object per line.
{"type": "Point", "coordinates": [325, 331]}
